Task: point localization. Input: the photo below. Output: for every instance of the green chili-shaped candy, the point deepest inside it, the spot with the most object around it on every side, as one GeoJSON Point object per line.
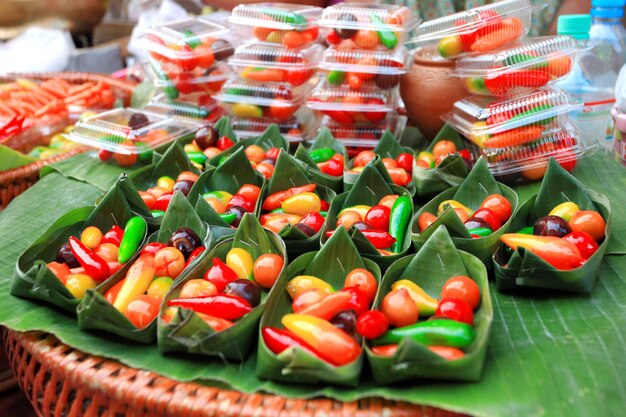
{"type": "Point", "coordinates": [526, 230]}
{"type": "Point", "coordinates": [481, 231]}
{"type": "Point", "coordinates": [197, 157]}
{"type": "Point", "coordinates": [441, 332]}
{"type": "Point", "coordinates": [387, 38]}
{"type": "Point", "coordinates": [399, 219]}
{"type": "Point", "coordinates": [228, 217]}
{"type": "Point", "coordinates": [336, 77]}
{"type": "Point", "coordinates": [134, 232]}
{"type": "Point", "coordinates": [321, 154]}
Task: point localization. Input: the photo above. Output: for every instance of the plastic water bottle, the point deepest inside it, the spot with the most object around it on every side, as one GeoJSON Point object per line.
{"type": "Point", "coordinates": [607, 32]}
{"type": "Point", "coordinates": [619, 116]}
{"type": "Point", "coordinates": [591, 81]}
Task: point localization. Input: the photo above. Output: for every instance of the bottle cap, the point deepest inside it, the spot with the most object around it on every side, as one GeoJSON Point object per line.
{"type": "Point", "coordinates": [574, 25]}
{"type": "Point", "coordinates": [608, 8]}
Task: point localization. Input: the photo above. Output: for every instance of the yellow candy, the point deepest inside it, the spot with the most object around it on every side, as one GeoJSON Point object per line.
{"type": "Point", "coordinates": [426, 304]}
{"type": "Point", "coordinates": [454, 204]}
{"type": "Point", "coordinates": [91, 236]}
{"type": "Point", "coordinates": [78, 284]}
{"type": "Point", "coordinates": [302, 204]}
{"type": "Point", "coordinates": [191, 147]}
{"type": "Point", "coordinates": [166, 182]}
{"type": "Point", "coordinates": [303, 283]}
{"type": "Point", "coordinates": [159, 287]}
{"type": "Point", "coordinates": [246, 110]}
{"type": "Point", "coordinates": [362, 209]}
{"type": "Point", "coordinates": [565, 210]}
{"type": "Point", "coordinates": [450, 46]}
{"type": "Point", "coordinates": [240, 261]}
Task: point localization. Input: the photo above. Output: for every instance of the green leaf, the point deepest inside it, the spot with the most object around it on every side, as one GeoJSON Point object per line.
{"type": "Point", "coordinates": [32, 278]}
{"type": "Point", "coordinates": [436, 262]}
{"type": "Point", "coordinates": [224, 127]}
{"type": "Point", "coordinates": [331, 263]}
{"type": "Point", "coordinates": [524, 268]}
{"type": "Point", "coordinates": [271, 138]}
{"type": "Point", "coordinates": [471, 193]}
{"type": "Point", "coordinates": [10, 158]}
{"type": "Point", "coordinates": [450, 172]}
{"type": "Point", "coordinates": [369, 188]}
{"type": "Point", "coordinates": [142, 94]}
{"type": "Point", "coordinates": [292, 174]}
{"type": "Point", "coordinates": [96, 313]}
{"type": "Point", "coordinates": [188, 333]}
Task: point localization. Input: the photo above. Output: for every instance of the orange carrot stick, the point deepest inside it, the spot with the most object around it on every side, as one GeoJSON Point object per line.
{"type": "Point", "coordinates": [514, 137]}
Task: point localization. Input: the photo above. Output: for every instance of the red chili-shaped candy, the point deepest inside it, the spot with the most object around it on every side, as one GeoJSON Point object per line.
{"type": "Point", "coordinates": [277, 340]}
{"type": "Point", "coordinates": [196, 252]}
{"type": "Point", "coordinates": [220, 274]}
{"type": "Point", "coordinates": [96, 267]}
{"type": "Point", "coordinates": [314, 220]}
{"type": "Point", "coordinates": [359, 302]}
{"type": "Point", "coordinates": [223, 306]}
{"type": "Point", "coordinates": [114, 235]}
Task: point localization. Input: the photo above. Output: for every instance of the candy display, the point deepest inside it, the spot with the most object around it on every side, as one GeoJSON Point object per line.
{"type": "Point", "coordinates": [290, 25]}
{"type": "Point", "coordinates": [531, 63]}
{"type": "Point", "coordinates": [358, 67]}
{"type": "Point", "coordinates": [190, 44]}
{"type": "Point", "coordinates": [276, 63]}
{"type": "Point", "coordinates": [479, 30]}
{"type": "Point", "coordinates": [295, 129]}
{"type": "Point", "coordinates": [367, 26]}
{"type": "Point", "coordinates": [198, 107]}
{"type": "Point", "coordinates": [328, 161]}
{"type": "Point", "coordinates": [399, 168]}
{"type": "Point", "coordinates": [176, 85]}
{"type": "Point", "coordinates": [364, 135]}
{"type": "Point", "coordinates": [440, 151]}
{"type": "Point", "coordinates": [232, 207]}
{"type": "Point", "coordinates": [157, 198]}
{"type": "Point", "coordinates": [127, 136]}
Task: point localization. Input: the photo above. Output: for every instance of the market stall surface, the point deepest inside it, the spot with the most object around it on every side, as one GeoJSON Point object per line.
{"type": "Point", "coordinates": [550, 354]}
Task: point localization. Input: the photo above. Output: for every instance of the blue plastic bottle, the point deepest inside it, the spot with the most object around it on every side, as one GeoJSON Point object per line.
{"type": "Point", "coordinates": [607, 32]}
{"type": "Point", "coordinates": [591, 81]}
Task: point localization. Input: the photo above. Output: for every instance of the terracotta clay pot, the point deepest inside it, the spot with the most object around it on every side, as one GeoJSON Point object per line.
{"type": "Point", "coordinates": [429, 90]}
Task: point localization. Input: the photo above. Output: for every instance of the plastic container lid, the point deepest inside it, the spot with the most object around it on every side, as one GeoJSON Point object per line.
{"type": "Point", "coordinates": [478, 118]}
{"type": "Point", "coordinates": [327, 97]}
{"type": "Point", "coordinates": [263, 55]}
{"type": "Point", "coordinates": [393, 62]}
{"type": "Point", "coordinates": [121, 130]}
{"type": "Point", "coordinates": [565, 144]}
{"type": "Point", "coordinates": [197, 107]}
{"type": "Point", "coordinates": [530, 64]}
{"type": "Point", "coordinates": [574, 25]}
{"type": "Point", "coordinates": [263, 94]}
{"type": "Point", "coordinates": [189, 39]}
{"type": "Point", "coordinates": [282, 16]}
{"type": "Point", "coordinates": [481, 29]}
{"type": "Point", "coordinates": [164, 75]}
{"type": "Point", "coordinates": [365, 135]}
{"type": "Point", "coordinates": [367, 16]}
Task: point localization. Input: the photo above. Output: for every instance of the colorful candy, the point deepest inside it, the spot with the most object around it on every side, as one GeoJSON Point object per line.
{"type": "Point", "coordinates": [298, 206]}
{"type": "Point", "coordinates": [157, 198]}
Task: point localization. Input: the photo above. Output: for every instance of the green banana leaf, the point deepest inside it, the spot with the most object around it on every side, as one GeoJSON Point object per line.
{"type": "Point", "coordinates": [368, 190]}
{"type": "Point", "coordinates": [229, 176]}
{"type": "Point", "coordinates": [292, 174]}
{"type": "Point", "coordinates": [476, 187]}
{"type": "Point", "coordinates": [450, 172]}
{"type": "Point", "coordinates": [548, 356]}
{"type": "Point", "coordinates": [271, 138]}
{"type": "Point", "coordinates": [224, 127]}
{"type": "Point", "coordinates": [10, 158]}
{"type": "Point", "coordinates": [96, 313]}
{"type": "Point", "coordinates": [331, 263]}
{"type": "Point", "coordinates": [32, 278]}
{"type": "Point", "coordinates": [187, 332]}
{"type": "Point", "coordinates": [436, 262]}
{"type": "Point", "coordinates": [388, 147]}
{"type": "Point", "coordinates": [324, 139]}
{"type": "Point", "coordinates": [524, 268]}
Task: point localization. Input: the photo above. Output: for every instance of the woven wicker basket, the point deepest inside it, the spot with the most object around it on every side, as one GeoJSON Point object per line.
{"type": "Point", "coordinates": [61, 381]}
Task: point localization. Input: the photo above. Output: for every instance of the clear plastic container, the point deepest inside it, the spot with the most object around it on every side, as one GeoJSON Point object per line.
{"type": "Point", "coordinates": [278, 101]}
{"type": "Point", "coordinates": [275, 63]}
{"type": "Point", "coordinates": [190, 43]}
{"type": "Point", "coordinates": [201, 108]}
{"type": "Point", "coordinates": [370, 104]}
{"type": "Point", "coordinates": [532, 63]}
{"type": "Point", "coordinates": [129, 131]}
{"type": "Point", "coordinates": [365, 135]}
{"type": "Point", "coordinates": [291, 25]}
{"type": "Point", "coordinates": [368, 26]}
{"type": "Point", "coordinates": [295, 129]}
{"type": "Point", "coordinates": [357, 68]}
{"type": "Point", "coordinates": [529, 162]}
{"type": "Point", "coordinates": [492, 123]}
{"type": "Point", "coordinates": [173, 83]}
{"type": "Point", "coordinates": [482, 29]}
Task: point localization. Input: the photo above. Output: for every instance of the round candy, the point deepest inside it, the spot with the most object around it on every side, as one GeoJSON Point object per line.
{"type": "Point", "coordinates": [590, 222]}
{"type": "Point", "coordinates": [462, 287]}
{"type": "Point", "coordinates": [551, 226]}
{"type": "Point", "coordinates": [399, 308]}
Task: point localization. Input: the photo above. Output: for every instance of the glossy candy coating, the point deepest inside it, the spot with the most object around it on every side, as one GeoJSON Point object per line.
{"type": "Point", "coordinates": [267, 268]}
{"type": "Point", "coordinates": [551, 226]}
{"type": "Point", "coordinates": [399, 308]}
{"type": "Point", "coordinates": [464, 288]}
{"type": "Point", "coordinates": [246, 289]}
{"type": "Point", "coordinates": [455, 309]}
{"type": "Point", "coordinates": [590, 222]}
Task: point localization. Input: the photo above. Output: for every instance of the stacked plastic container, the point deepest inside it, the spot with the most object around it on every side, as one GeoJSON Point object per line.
{"type": "Point", "coordinates": [188, 66]}
{"type": "Point", "coordinates": [276, 71]}
{"type": "Point", "coordinates": [362, 67]}
{"type": "Point", "coordinates": [513, 116]}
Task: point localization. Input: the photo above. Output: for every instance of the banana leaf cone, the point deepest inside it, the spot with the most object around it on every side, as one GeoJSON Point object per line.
{"type": "Point", "coordinates": [523, 268]}
{"type": "Point", "coordinates": [437, 261]}
{"type": "Point", "coordinates": [32, 278]}
{"type": "Point", "coordinates": [271, 138]}
{"type": "Point", "coordinates": [475, 188]}
{"type": "Point", "coordinates": [323, 140]}
{"type": "Point", "coordinates": [368, 190]}
{"type": "Point", "coordinates": [332, 263]}
{"type": "Point", "coordinates": [171, 163]}
{"type": "Point", "coordinates": [96, 313]}
{"type": "Point", "coordinates": [449, 173]}
{"type": "Point", "coordinates": [388, 147]}
{"type": "Point", "coordinates": [186, 331]}
{"type": "Point", "coordinates": [289, 173]}
{"type": "Point", "coordinates": [230, 176]}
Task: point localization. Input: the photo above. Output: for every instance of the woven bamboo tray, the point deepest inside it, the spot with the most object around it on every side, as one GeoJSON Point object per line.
{"type": "Point", "coordinates": [15, 181]}
{"type": "Point", "coordinates": [61, 381]}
